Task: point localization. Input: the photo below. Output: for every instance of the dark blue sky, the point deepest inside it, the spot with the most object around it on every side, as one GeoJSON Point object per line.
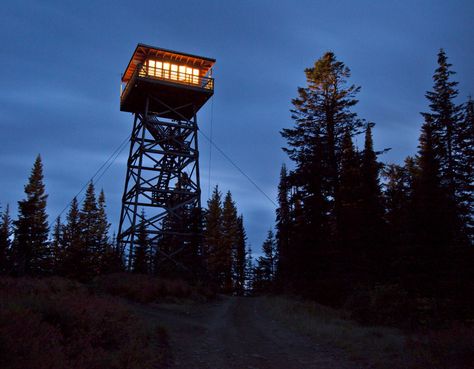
{"type": "Point", "coordinates": [61, 63]}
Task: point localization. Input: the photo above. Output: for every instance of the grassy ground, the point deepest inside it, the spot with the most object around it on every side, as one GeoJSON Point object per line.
{"type": "Point", "coordinates": [377, 347]}
{"type": "Point", "coordinates": [56, 323]}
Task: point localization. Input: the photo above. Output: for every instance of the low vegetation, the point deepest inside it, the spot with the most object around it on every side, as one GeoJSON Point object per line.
{"type": "Point", "coordinates": [55, 323]}
{"type": "Point", "coordinates": [376, 346]}
{"type": "Point", "coordinates": [146, 289]}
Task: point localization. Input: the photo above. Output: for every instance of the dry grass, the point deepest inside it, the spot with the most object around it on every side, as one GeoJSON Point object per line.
{"type": "Point", "coordinates": [146, 289]}
{"type": "Point", "coordinates": [377, 346]}
{"type": "Point", "coordinates": [53, 323]}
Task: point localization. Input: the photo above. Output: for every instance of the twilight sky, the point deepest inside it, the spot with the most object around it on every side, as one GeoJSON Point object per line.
{"type": "Point", "coordinates": [61, 63]}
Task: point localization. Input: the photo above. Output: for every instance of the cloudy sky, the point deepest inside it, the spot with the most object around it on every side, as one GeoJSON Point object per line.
{"type": "Point", "coordinates": [61, 63]}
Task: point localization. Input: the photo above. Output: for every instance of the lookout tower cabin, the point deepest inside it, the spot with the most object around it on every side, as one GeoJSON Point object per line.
{"type": "Point", "coordinates": [179, 80]}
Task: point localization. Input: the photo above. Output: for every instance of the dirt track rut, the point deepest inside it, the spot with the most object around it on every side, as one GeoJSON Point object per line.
{"type": "Point", "coordinates": [237, 333]}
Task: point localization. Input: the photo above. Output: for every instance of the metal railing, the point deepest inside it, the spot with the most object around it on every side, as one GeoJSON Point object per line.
{"type": "Point", "coordinates": [168, 75]}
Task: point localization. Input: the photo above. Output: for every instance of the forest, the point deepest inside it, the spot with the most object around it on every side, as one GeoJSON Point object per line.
{"type": "Point", "coordinates": [392, 243]}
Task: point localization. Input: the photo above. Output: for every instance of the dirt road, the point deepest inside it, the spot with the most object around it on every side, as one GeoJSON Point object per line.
{"type": "Point", "coordinates": [237, 333]}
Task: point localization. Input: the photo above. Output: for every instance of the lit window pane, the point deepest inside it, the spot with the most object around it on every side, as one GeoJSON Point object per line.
{"type": "Point", "coordinates": [159, 69]}
{"type": "Point", "coordinates": [166, 70]}
{"type": "Point", "coordinates": [151, 67]}
{"type": "Point", "coordinates": [182, 72]}
{"type": "Point", "coordinates": [196, 76]}
{"type": "Point", "coordinates": [189, 74]}
{"type": "Point", "coordinates": [174, 71]}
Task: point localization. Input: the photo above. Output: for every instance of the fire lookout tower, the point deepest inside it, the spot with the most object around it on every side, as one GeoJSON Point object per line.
{"type": "Point", "coordinates": [164, 90]}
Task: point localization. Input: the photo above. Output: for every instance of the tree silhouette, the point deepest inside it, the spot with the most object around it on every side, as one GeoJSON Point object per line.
{"type": "Point", "coordinates": [31, 253]}
{"type": "Point", "coordinates": [5, 242]}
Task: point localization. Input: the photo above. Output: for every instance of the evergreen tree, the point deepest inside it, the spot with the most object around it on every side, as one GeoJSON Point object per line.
{"type": "Point", "coordinates": [465, 143]}
{"type": "Point", "coordinates": [349, 219]}
{"type": "Point", "coordinates": [283, 229]}
{"type": "Point", "coordinates": [249, 275]}
{"type": "Point", "coordinates": [89, 225]}
{"type": "Point", "coordinates": [240, 258]}
{"type": "Point", "coordinates": [103, 227]}
{"type": "Point", "coordinates": [31, 252]}
{"type": "Point", "coordinates": [448, 133]}
{"type": "Point", "coordinates": [213, 237]}
{"type": "Point", "coordinates": [397, 196]}
{"type": "Point", "coordinates": [142, 249]}
{"type": "Point", "coordinates": [5, 242]}
{"type": "Point", "coordinates": [434, 224]}
{"type": "Point", "coordinates": [75, 259]}
{"type": "Point", "coordinates": [445, 117]}
{"type": "Point", "coordinates": [228, 241]}
{"type": "Point", "coordinates": [178, 249]}
{"type": "Point", "coordinates": [322, 113]}
{"type": "Point", "coordinates": [57, 248]}
{"type": "Point", "coordinates": [372, 227]}
{"type": "Point", "coordinates": [265, 268]}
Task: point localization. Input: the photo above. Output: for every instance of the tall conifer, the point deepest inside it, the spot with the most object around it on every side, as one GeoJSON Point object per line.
{"type": "Point", "coordinates": [31, 251]}
{"type": "Point", "coordinates": [5, 242]}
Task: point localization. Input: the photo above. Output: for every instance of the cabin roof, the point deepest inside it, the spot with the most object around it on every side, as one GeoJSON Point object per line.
{"type": "Point", "coordinates": [142, 52]}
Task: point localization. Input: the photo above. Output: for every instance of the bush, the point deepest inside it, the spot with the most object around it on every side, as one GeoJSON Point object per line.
{"type": "Point", "coordinates": [55, 324]}
{"type": "Point", "coordinates": [145, 289]}
{"type": "Point", "coordinates": [381, 305]}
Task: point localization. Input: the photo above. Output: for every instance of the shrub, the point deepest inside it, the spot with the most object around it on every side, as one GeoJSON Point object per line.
{"type": "Point", "coordinates": [55, 323]}
{"type": "Point", "coordinates": [381, 305]}
{"type": "Point", "coordinates": [145, 289]}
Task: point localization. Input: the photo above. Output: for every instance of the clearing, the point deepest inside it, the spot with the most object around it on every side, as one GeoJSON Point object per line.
{"type": "Point", "coordinates": [240, 332]}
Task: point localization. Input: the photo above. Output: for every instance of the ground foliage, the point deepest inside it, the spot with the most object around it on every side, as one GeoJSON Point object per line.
{"type": "Point", "coordinates": [56, 323]}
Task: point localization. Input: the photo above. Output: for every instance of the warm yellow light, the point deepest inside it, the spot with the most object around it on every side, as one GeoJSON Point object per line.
{"type": "Point", "coordinates": [195, 76]}
{"type": "Point", "coordinates": [182, 72]}
{"type": "Point", "coordinates": [151, 68]}
{"type": "Point", "coordinates": [159, 69]}
{"type": "Point", "coordinates": [174, 72]}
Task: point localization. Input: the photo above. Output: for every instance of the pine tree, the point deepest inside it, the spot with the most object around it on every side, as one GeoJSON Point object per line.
{"type": "Point", "coordinates": [283, 230]}
{"type": "Point", "coordinates": [249, 275]}
{"type": "Point", "coordinates": [89, 225]}
{"type": "Point", "coordinates": [444, 117]}
{"type": "Point", "coordinates": [31, 251]}
{"type": "Point", "coordinates": [372, 228]}
{"type": "Point", "coordinates": [57, 248]}
{"type": "Point", "coordinates": [229, 240]}
{"type": "Point", "coordinates": [240, 258]}
{"type": "Point", "coordinates": [434, 225]}
{"type": "Point", "coordinates": [265, 268]}
{"type": "Point", "coordinates": [103, 227]}
{"type": "Point", "coordinates": [465, 144]}
{"type": "Point", "coordinates": [213, 236]}
{"type": "Point", "coordinates": [75, 259]}
{"type": "Point", "coordinates": [5, 242]}
{"type": "Point", "coordinates": [322, 113]}
{"type": "Point", "coordinates": [141, 255]}
{"type": "Point", "coordinates": [349, 219]}
{"type": "Point", "coordinates": [397, 196]}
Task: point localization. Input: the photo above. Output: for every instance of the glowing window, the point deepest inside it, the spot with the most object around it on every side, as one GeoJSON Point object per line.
{"type": "Point", "coordinates": [166, 70]}
{"type": "Point", "coordinates": [182, 72]}
{"type": "Point", "coordinates": [189, 74]}
{"type": "Point", "coordinates": [174, 71]}
{"type": "Point", "coordinates": [151, 68]}
{"type": "Point", "coordinates": [159, 69]}
{"type": "Point", "coordinates": [196, 76]}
